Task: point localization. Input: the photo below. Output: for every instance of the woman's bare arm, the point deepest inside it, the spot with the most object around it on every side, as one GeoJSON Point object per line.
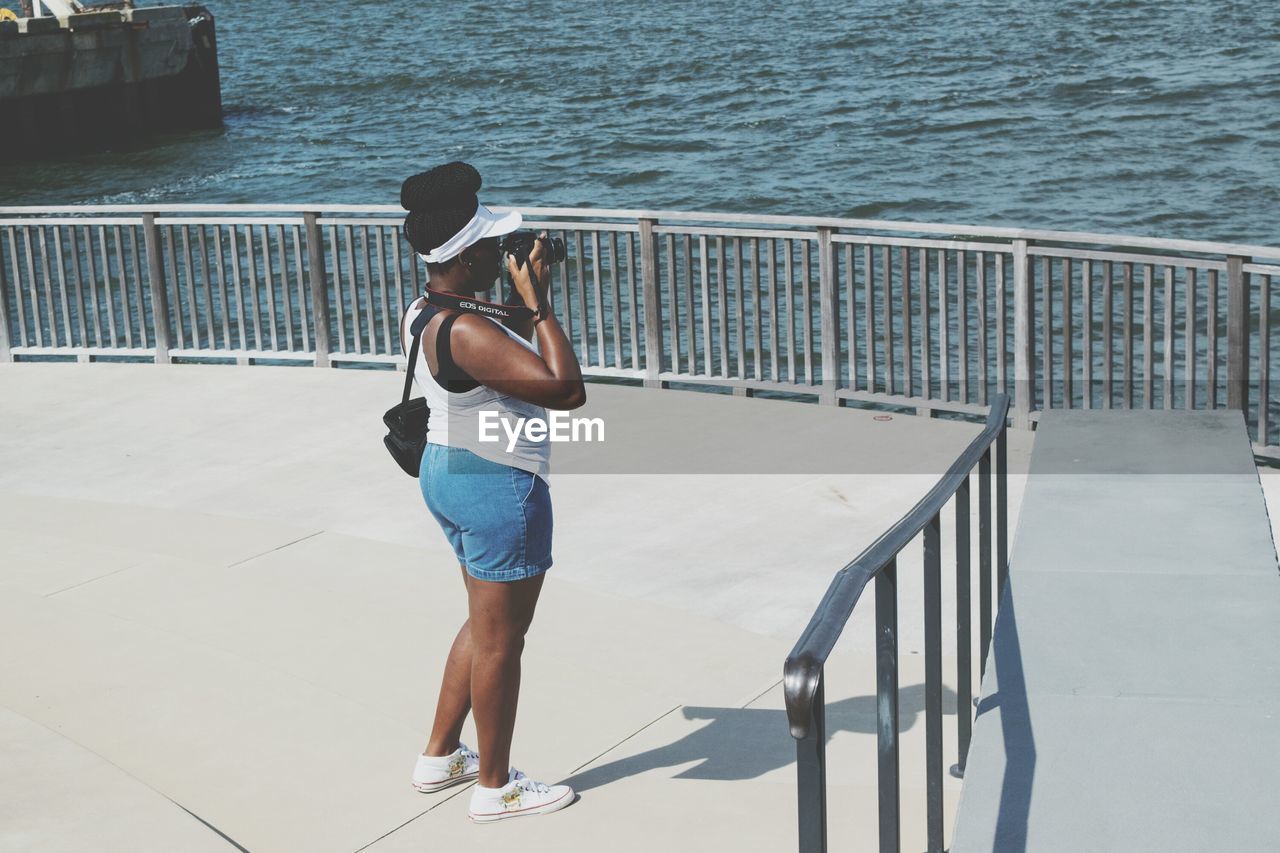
{"type": "Point", "coordinates": [550, 377]}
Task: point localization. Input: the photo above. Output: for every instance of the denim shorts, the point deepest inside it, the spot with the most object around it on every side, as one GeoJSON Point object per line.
{"type": "Point", "coordinates": [496, 517]}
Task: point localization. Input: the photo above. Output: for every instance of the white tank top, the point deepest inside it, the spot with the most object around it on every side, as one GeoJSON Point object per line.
{"type": "Point", "coordinates": [455, 417]}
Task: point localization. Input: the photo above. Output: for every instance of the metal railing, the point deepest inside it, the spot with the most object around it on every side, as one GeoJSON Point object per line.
{"type": "Point", "coordinates": [925, 317]}
{"type": "Point", "coordinates": [803, 685]}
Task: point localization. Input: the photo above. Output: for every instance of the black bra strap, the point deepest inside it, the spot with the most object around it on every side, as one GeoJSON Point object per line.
{"type": "Point", "coordinates": [448, 373]}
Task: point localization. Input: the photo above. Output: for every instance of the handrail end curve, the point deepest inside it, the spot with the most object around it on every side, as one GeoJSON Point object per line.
{"type": "Point", "coordinates": [800, 678]}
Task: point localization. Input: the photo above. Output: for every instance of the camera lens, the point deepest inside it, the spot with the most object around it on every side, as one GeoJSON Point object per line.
{"type": "Point", "coordinates": [554, 248]}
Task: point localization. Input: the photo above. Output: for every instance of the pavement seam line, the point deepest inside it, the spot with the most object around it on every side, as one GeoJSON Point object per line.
{"type": "Point", "coordinates": [762, 693]}
{"type": "Point", "coordinates": [652, 722]}
{"type": "Point", "coordinates": [220, 833]}
{"type": "Point", "coordinates": [273, 550]}
{"type": "Point", "coordinates": [127, 773]}
{"type": "Point", "coordinates": [90, 580]}
{"type": "Point", "coordinates": [463, 789]}
{"type": "Point", "coordinates": [627, 738]}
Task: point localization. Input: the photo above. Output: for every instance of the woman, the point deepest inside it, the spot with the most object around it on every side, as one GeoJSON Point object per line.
{"type": "Point", "coordinates": [493, 504]}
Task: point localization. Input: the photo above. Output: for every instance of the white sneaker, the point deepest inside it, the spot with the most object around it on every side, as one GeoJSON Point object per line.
{"type": "Point", "coordinates": [435, 773]}
{"type": "Point", "coordinates": [520, 796]}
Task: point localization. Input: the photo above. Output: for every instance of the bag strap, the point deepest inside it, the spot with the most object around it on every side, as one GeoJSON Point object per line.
{"type": "Point", "coordinates": [416, 330]}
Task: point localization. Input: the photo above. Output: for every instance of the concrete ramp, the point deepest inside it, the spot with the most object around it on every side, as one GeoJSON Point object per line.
{"type": "Point", "coordinates": [1132, 701]}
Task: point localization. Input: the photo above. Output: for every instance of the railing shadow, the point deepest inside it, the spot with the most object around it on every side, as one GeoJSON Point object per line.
{"type": "Point", "coordinates": [1015, 728]}
{"type": "Point", "coordinates": [746, 743]}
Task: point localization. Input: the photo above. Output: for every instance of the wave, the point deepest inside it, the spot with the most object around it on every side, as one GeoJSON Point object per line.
{"type": "Point", "coordinates": [1221, 139]}
{"type": "Point", "coordinates": [849, 42]}
{"type": "Point", "coordinates": [1077, 89]}
{"type": "Point", "coordinates": [630, 179]}
{"type": "Point", "coordinates": [255, 110]}
{"type": "Point", "coordinates": [975, 126]}
{"type": "Point", "coordinates": [907, 210]}
{"type": "Point", "coordinates": [1195, 94]}
{"type": "Point", "coordinates": [665, 145]}
{"type": "Point", "coordinates": [980, 124]}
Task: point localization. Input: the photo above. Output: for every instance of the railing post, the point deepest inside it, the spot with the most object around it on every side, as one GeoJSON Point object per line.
{"type": "Point", "coordinates": [811, 776]}
{"type": "Point", "coordinates": [829, 307]}
{"type": "Point", "coordinates": [888, 780]}
{"type": "Point", "coordinates": [6, 342]}
{"type": "Point", "coordinates": [652, 305]}
{"type": "Point", "coordinates": [964, 640]}
{"type": "Point", "coordinates": [319, 288]}
{"type": "Point", "coordinates": [984, 561]}
{"type": "Point", "coordinates": [1237, 335]}
{"type": "Point", "coordinates": [1002, 512]}
{"type": "Point", "coordinates": [159, 291]}
{"type": "Point", "coordinates": [1023, 343]}
{"type": "Point", "coordinates": [933, 683]}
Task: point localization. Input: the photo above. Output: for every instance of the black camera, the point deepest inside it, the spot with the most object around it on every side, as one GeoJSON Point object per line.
{"type": "Point", "coordinates": [519, 244]}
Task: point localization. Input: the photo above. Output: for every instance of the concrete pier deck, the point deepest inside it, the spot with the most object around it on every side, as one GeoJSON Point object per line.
{"type": "Point", "coordinates": [1133, 698]}
{"type": "Point", "coordinates": [224, 614]}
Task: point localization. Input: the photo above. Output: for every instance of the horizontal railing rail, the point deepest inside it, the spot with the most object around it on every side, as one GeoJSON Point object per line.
{"type": "Point", "coordinates": [395, 211]}
{"type": "Point", "coordinates": [803, 672]}
{"type": "Point", "coordinates": [926, 317]}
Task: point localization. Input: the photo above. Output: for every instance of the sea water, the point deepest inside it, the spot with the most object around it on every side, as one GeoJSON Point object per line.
{"type": "Point", "coordinates": [1141, 118]}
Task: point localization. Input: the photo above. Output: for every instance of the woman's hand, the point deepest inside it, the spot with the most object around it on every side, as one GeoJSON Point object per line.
{"type": "Point", "coordinates": [531, 280]}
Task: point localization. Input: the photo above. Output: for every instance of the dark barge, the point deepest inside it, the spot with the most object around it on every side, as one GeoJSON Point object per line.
{"type": "Point", "coordinates": [102, 76]}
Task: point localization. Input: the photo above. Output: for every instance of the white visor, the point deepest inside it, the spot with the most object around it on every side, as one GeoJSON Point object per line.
{"type": "Point", "coordinates": [485, 223]}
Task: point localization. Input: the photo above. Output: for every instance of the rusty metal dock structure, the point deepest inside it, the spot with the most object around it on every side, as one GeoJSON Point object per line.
{"type": "Point", "coordinates": [81, 78]}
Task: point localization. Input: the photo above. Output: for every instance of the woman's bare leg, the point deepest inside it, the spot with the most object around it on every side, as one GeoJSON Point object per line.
{"type": "Point", "coordinates": [500, 617]}
{"type": "Point", "coordinates": [455, 692]}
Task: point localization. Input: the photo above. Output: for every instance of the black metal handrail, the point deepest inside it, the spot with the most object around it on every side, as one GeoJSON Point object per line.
{"type": "Point", "coordinates": [803, 671]}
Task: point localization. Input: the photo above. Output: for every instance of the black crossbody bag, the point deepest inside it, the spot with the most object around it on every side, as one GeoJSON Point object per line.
{"type": "Point", "coordinates": [407, 422]}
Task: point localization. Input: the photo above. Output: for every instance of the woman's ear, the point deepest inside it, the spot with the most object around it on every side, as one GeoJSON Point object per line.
{"type": "Point", "coordinates": [466, 257]}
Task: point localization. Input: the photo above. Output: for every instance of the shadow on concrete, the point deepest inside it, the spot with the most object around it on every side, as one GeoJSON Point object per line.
{"type": "Point", "coordinates": [1015, 729]}
{"type": "Point", "coordinates": [746, 743]}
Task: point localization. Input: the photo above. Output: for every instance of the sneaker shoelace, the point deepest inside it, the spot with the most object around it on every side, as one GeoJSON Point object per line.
{"type": "Point", "coordinates": [468, 754]}
{"type": "Point", "coordinates": [528, 784]}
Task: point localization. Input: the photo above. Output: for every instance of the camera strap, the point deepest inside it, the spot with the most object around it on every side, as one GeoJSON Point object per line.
{"type": "Point", "coordinates": [476, 306]}
{"type": "Point", "coordinates": [416, 331]}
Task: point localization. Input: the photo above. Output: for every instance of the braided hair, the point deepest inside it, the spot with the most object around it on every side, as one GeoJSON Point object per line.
{"type": "Point", "coordinates": [440, 201]}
